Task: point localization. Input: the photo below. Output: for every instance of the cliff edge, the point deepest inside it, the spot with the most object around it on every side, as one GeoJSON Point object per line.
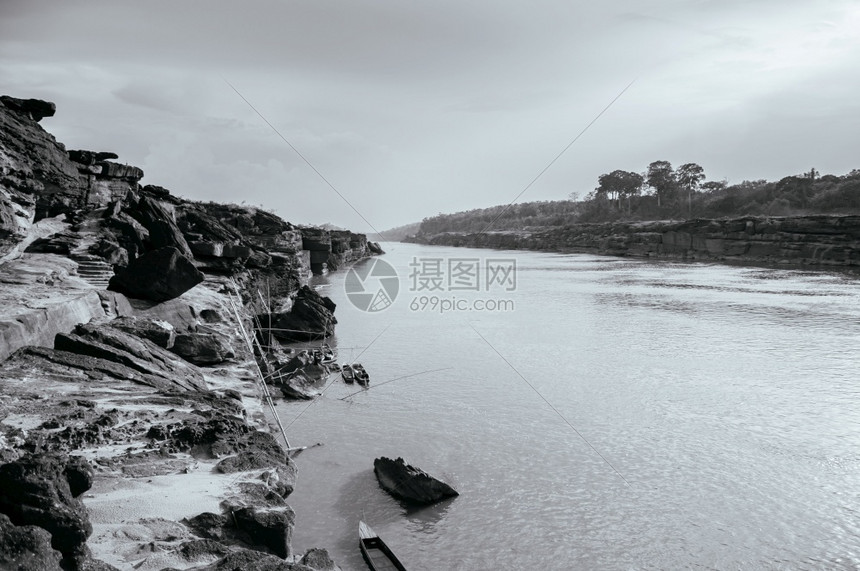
{"type": "Point", "coordinates": [132, 429]}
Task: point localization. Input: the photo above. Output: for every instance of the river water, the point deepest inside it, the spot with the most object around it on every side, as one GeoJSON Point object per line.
{"type": "Point", "coordinates": [622, 415]}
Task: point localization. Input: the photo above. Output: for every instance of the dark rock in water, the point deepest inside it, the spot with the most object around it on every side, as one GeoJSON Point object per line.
{"type": "Point", "coordinates": [271, 528]}
{"type": "Point", "coordinates": [203, 348]}
{"type": "Point", "coordinates": [159, 332]}
{"type": "Point", "coordinates": [159, 275]}
{"type": "Point", "coordinates": [409, 483]}
{"type": "Point", "coordinates": [375, 248]}
{"type": "Point", "coordinates": [35, 490]}
{"type": "Point", "coordinates": [312, 317]}
{"type": "Point", "coordinates": [26, 547]}
{"type": "Point", "coordinates": [37, 108]}
{"type": "Point", "coordinates": [298, 386]}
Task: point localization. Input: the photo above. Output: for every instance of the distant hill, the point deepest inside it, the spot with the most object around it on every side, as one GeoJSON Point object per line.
{"type": "Point", "coordinates": [616, 200]}
{"type": "Point", "coordinates": [395, 234]}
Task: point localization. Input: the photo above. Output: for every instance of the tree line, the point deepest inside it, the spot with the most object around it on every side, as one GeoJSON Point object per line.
{"type": "Point", "coordinates": [664, 192]}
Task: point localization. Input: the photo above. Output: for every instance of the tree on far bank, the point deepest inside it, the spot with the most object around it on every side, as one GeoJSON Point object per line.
{"type": "Point", "coordinates": [661, 177]}
{"type": "Point", "coordinates": [689, 176]}
{"type": "Point", "coordinates": [620, 184]}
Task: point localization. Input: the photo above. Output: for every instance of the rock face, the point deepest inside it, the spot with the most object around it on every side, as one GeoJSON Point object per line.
{"type": "Point", "coordinates": [35, 490]}
{"type": "Point", "coordinates": [826, 240]}
{"type": "Point", "coordinates": [410, 484]}
{"type": "Point", "coordinates": [36, 108]}
{"type": "Point", "coordinates": [117, 378]}
{"type": "Point", "coordinates": [159, 275]}
{"type": "Point", "coordinates": [141, 355]}
{"type": "Point", "coordinates": [26, 547]}
{"type": "Point", "coordinates": [203, 348]}
{"type": "Point", "coordinates": [312, 317]}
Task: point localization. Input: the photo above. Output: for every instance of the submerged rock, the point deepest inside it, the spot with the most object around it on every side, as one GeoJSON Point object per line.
{"type": "Point", "coordinates": [409, 483]}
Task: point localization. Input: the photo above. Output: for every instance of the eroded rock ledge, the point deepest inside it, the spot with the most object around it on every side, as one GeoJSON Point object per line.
{"type": "Point", "coordinates": [131, 429]}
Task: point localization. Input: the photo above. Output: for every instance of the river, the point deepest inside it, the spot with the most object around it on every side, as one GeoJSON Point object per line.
{"type": "Point", "coordinates": [612, 414]}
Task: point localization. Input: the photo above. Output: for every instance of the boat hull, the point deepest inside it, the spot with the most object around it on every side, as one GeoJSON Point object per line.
{"type": "Point", "coordinates": [376, 553]}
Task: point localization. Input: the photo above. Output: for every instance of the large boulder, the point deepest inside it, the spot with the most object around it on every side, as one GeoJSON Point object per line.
{"type": "Point", "coordinates": [158, 219]}
{"type": "Point", "coordinates": [26, 547]}
{"type": "Point", "coordinates": [203, 347]}
{"type": "Point", "coordinates": [36, 490]}
{"type": "Point", "coordinates": [312, 317]}
{"type": "Point", "coordinates": [319, 559]}
{"type": "Point", "coordinates": [159, 275]}
{"type": "Point", "coordinates": [410, 484]}
{"type": "Point", "coordinates": [271, 528]}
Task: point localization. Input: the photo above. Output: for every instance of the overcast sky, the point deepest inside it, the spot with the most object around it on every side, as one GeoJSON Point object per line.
{"type": "Point", "coordinates": [411, 108]}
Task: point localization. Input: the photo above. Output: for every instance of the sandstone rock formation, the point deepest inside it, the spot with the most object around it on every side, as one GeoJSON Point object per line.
{"type": "Point", "coordinates": [158, 275]}
{"type": "Point", "coordinates": [116, 374]}
{"type": "Point", "coordinates": [410, 484]}
{"type": "Point", "coordinates": [312, 317]}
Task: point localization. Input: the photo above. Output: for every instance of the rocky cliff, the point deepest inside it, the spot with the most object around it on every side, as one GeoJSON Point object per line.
{"type": "Point", "coordinates": [130, 329]}
{"type": "Point", "coordinates": [830, 241]}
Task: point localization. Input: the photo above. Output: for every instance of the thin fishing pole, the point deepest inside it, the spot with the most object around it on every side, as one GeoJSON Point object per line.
{"type": "Point", "coordinates": [392, 380]}
{"type": "Point", "coordinates": [558, 156]}
{"type": "Point", "coordinates": [544, 399]}
{"type": "Point", "coordinates": [333, 380]}
{"type": "Point", "coordinates": [307, 162]}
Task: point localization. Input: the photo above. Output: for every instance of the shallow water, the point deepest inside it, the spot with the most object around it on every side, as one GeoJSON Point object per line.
{"type": "Point", "coordinates": [625, 415]}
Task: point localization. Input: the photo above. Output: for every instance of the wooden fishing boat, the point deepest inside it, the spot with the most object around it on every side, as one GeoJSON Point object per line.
{"type": "Point", "coordinates": [328, 355]}
{"type": "Point", "coordinates": [348, 373]}
{"type": "Point", "coordinates": [361, 376]}
{"type": "Point", "coordinates": [377, 554]}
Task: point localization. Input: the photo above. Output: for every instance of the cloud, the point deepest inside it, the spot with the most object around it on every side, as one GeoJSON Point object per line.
{"type": "Point", "coordinates": [414, 108]}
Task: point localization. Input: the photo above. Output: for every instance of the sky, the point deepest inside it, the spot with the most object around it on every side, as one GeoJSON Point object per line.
{"type": "Point", "coordinates": [378, 113]}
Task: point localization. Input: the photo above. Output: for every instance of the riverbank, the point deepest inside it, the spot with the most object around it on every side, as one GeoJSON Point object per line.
{"type": "Point", "coordinates": [807, 241]}
{"type": "Point", "coordinates": [132, 430]}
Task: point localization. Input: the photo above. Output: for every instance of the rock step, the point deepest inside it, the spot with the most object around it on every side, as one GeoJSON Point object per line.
{"type": "Point", "coordinates": [93, 270]}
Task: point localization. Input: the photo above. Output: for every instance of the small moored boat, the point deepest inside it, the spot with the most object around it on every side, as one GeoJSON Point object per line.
{"type": "Point", "coordinates": [361, 376]}
{"type": "Point", "coordinates": [328, 355]}
{"type": "Point", "coordinates": [377, 554]}
{"type": "Point", "coordinates": [348, 373]}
